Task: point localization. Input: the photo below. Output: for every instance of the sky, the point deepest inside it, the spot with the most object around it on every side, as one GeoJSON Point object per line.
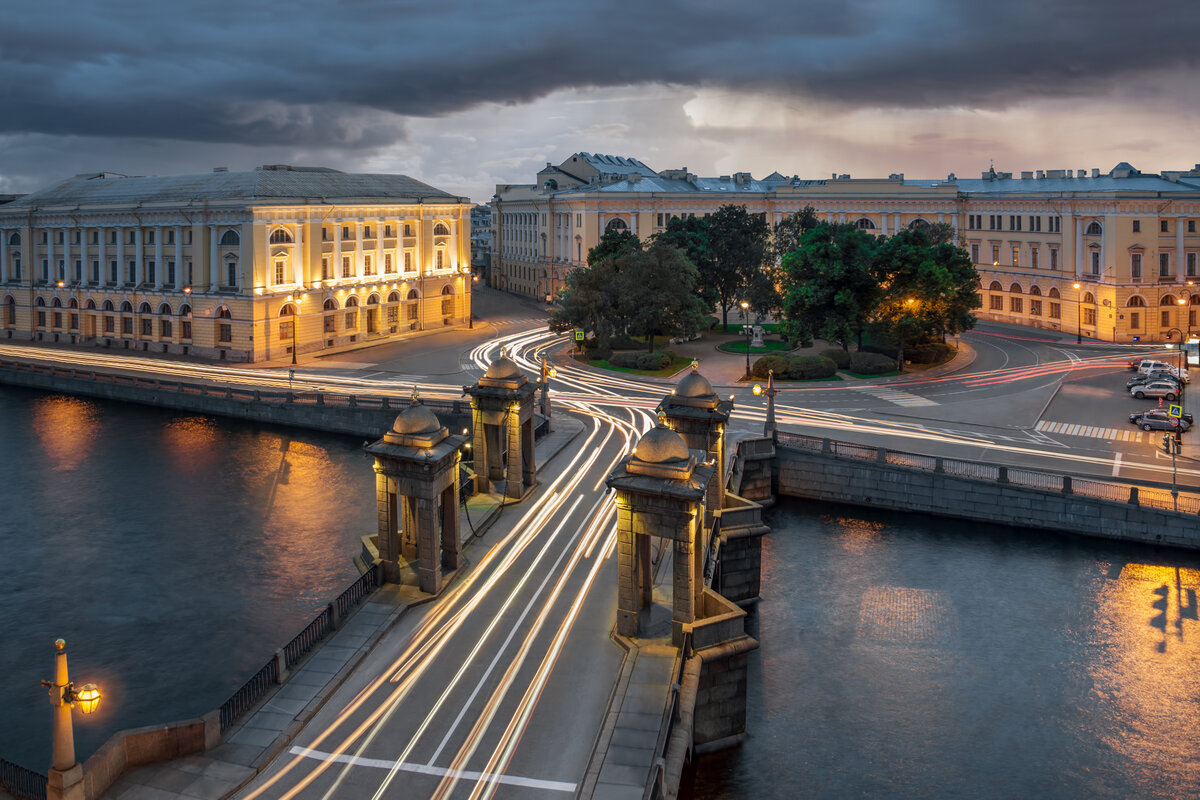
{"type": "Point", "coordinates": [467, 95]}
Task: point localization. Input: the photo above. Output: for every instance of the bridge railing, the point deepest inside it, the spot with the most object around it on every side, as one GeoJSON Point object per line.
{"type": "Point", "coordinates": [671, 717]}
{"type": "Point", "coordinates": [269, 675]}
{"type": "Point", "coordinates": [21, 783]}
{"type": "Point", "coordinates": [1135, 494]}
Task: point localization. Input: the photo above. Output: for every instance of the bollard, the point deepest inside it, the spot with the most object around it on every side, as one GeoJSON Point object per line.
{"type": "Point", "coordinates": [1002, 475]}
{"type": "Point", "coordinates": [1066, 484]}
{"type": "Point", "coordinates": [937, 465]}
{"type": "Point", "coordinates": [320, 399]}
{"type": "Point", "coordinates": [353, 401]}
{"type": "Point", "coordinates": [384, 405]}
{"type": "Point", "coordinates": [335, 621]}
{"type": "Point", "coordinates": [281, 672]}
{"type": "Point", "coordinates": [1133, 496]}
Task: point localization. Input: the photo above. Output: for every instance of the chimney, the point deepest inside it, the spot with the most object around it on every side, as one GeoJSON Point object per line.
{"type": "Point", "coordinates": [1095, 172]}
{"type": "Point", "coordinates": [1041, 173]}
{"type": "Point", "coordinates": [1027, 175]}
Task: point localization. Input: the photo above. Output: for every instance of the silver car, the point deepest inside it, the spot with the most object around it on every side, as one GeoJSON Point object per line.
{"type": "Point", "coordinates": [1167, 390]}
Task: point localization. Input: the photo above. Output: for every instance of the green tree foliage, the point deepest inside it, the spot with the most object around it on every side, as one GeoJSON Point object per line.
{"type": "Point", "coordinates": [789, 231]}
{"type": "Point", "coordinates": [737, 246]}
{"type": "Point", "coordinates": [690, 234]}
{"type": "Point", "coordinates": [830, 288]}
{"type": "Point", "coordinates": [613, 243]}
{"type": "Point", "coordinates": [590, 302]}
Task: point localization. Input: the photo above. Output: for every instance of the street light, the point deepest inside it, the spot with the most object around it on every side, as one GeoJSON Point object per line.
{"type": "Point", "coordinates": [770, 392]}
{"type": "Point", "coordinates": [65, 775]}
{"type": "Point", "coordinates": [748, 330]}
{"type": "Point", "coordinates": [1078, 314]}
{"type": "Point", "coordinates": [295, 334]}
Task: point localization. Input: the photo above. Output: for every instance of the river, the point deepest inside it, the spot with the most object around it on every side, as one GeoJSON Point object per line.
{"type": "Point", "coordinates": [174, 553]}
{"type": "Point", "coordinates": [907, 656]}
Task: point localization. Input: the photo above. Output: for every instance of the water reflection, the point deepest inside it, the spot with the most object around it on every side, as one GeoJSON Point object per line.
{"type": "Point", "coordinates": [66, 428]}
{"type": "Point", "coordinates": [191, 443]}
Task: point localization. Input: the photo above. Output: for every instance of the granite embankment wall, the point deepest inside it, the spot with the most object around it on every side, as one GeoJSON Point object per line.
{"type": "Point", "coordinates": [824, 469]}
{"type": "Point", "coordinates": [357, 415]}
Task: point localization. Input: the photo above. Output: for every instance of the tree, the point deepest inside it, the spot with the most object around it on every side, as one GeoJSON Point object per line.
{"type": "Point", "coordinates": [690, 234]}
{"type": "Point", "coordinates": [829, 284]}
{"type": "Point", "coordinates": [613, 243]}
{"type": "Point", "coordinates": [789, 231]}
{"type": "Point", "coordinates": [590, 301]}
{"type": "Point", "coordinates": [659, 292]}
{"type": "Point", "coordinates": [737, 242]}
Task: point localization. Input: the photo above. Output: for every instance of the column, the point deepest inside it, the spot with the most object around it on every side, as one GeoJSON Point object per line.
{"type": "Point", "coordinates": [1180, 266]}
{"type": "Point", "coordinates": [337, 251]}
{"type": "Point", "coordinates": [213, 277]}
{"type": "Point", "coordinates": [379, 274]}
{"type": "Point", "coordinates": [66, 274]}
{"type": "Point", "coordinates": [627, 589]}
{"type": "Point", "coordinates": [160, 268]}
{"type": "Point", "coordinates": [139, 253]}
{"type": "Point", "coordinates": [120, 255]}
{"type": "Point", "coordinates": [179, 276]}
{"type": "Point", "coordinates": [358, 249]}
{"type": "Point", "coordinates": [102, 253]}
{"type": "Point", "coordinates": [298, 262]}
{"type": "Point", "coordinates": [1078, 223]}
{"type": "Point", "coordinates": [451, 540]}
{"type": "Point", "coordinates": [429, 570]}
{"type": "Point", "coordinates": [514, 479]}
{"type": "Point", "coordinates": [883, 226]}
{"type": "Point", "coordinates": [4, 271]}
{"type": "Point", "coordinates": [50, 262]}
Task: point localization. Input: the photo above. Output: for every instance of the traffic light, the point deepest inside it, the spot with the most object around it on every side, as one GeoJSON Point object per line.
{"type": "Point", "coordinates": [1166, 443]}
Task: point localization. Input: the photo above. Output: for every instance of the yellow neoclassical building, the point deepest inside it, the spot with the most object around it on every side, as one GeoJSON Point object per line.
{"type": "Point", "coordinates": [1111, 255]}
{"type": "Point", "coordinates": [242, 266]}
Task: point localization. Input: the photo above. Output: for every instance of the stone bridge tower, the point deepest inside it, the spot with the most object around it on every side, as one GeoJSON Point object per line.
{"type": "Point", "coordinates": [416, 490]}
{"type": "Point", "coordinates": [695, 412]}
{"type": "Point", "coordinates": [502, 428]}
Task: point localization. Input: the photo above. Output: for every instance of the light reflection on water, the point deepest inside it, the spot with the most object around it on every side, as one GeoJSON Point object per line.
{"type": "Point", "coordinates": [905, 656]}
{"type": "Point", "coordinates": [174, 554]}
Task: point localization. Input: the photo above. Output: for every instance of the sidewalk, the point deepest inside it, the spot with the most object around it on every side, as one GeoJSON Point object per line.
{"type": "Point", "coordinates": [247, 747]}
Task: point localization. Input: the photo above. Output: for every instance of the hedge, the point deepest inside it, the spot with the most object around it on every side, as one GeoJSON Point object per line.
{"type": "Point", "coordinates": [867, 363]}
{"type": "Point", "coordinates": [838, 356]}
{"type": "Point", "coordinates": [793, 367]}
{"type": "Point", "coordinates": [932, 353]}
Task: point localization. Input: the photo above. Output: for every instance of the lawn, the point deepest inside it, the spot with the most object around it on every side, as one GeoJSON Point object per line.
{"type": "Point", "coordinates": [736, 327]}
{"type": "Point", "coordinates": [677, 363]}
{"type": "Point", "coordinates": [739, 346]}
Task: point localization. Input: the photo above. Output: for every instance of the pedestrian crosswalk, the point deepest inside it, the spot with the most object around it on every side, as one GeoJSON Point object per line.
{"type": "Point", "coordinates": [896, 396]}
{"type": "Point", "coordinates": [1091, 431]}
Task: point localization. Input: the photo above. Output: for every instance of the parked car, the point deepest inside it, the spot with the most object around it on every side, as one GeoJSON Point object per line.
{"type": "Point", "coordinates": [1168, 390]}
{"type": "Point", "coordinates": [1148, 366]}
{"type": "Point", "coordinates": [1134, 364]}
{"type": "Point", "coordinates": [1158, 419]}
{"type": "Point", "coordinates": [1141, 379]}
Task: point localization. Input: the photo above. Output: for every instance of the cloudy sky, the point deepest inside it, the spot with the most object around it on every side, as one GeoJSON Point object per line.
{"type": "Point", "coordinates": [465, 95]}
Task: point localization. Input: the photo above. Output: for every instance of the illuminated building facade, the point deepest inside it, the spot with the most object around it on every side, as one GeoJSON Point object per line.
{"type": "Point", "coordinates": [243, 266]}
{"type": "Point", "coordinates": [1128, 239]}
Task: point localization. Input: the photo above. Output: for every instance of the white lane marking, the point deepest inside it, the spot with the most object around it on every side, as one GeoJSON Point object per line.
{"type": "Point", "coordinates": [896, 396]}
{"type": "Point", "coordinates": [1116, 465]}
{"type": "Point", "coordinates": [1091, 432]}
{"type": "Point", "coordinates": [438, 772]}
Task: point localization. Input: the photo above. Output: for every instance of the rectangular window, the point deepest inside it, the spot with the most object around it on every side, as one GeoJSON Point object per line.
{"type": "Point", "coordinates": [387, 231]}
{"type": "Point", "coordinates": [1163, 226]}
{"type": "Point", "coordinates": [95, 271]}
{"type": "Point", "coordinates": [346, 234]}
{"type": "Point", "coordinates": [997, 303]}
{"type": "Point", "coordinates": [127, 326]}
{"type": "Point", "coordinates": [58, 319]}
{"type": "Point", "coordinates": [1035, 308]}
{"type": "Point", "coordinates": [149, 237]}
{"type": "Point", "coordinates": [41, 318]}
{"type": "Point", "coordinates": [280, 268]}
{"type": "Point", "coordinates": [1089, 316]}
{"type": "Point", "coordinates": [389, 266]}
{"type": "Point", "coordinates": [171, 272]}
{"type": "Point", "coordinates": [1137, 226]}
{"type": "Point", "coordinates": [165, 328]}
{"type": "Point", "coordinates": [185, 329]}
{"type": "Point", "coordinates": [109, 325]}
{"type": "Point", "coordinates": [188, 276]}
{"type": "Point", "coordinates": [1053, 258]}
{"type": "Point", "coordinates": [132, 276]}
{"type": "Point", "coordinates": [1191, 265]}
{"type": "Point", "coordinates": [112, 272]}
{"type": "Point", "coordinates": [170, 237]}
{"type": "Point", "coordinates": [1095, 262]}
{"type": "Point", "coordinates": [1135, 320]}
{"type": "Point", "coordinates": [412, 311]}
{"type": "Point", "coordinates": [231, 273]}
{"type": "Point", "coordinates": [286, 329]}
{"type": "Point", "coordinates": [975, 254]}
{"type": "Point", "coordinates": [224, 333]}
{"type": "Point", "coordinates": [1135, 266]}
{"type": "Point", "coordinates": [1191, 226]}
{"type": "Point", "coordinates": [367, 232]}
{"type": "Point", "coordinates": [17, 268]}
{"type": "Point", "coordinates": [1015, 304]}
{"type": "Point", "coordinates": [1191, 317]}
{"type": "Point", "coordinates": [1056, 311]}
{"type": "Point", "coordinates": [147, 326]}
{"type": "Point", "coordinates": [1164, 265]}
{"type": "Point", "coordinates": [325, 269]}
{"type": "Point", "coordinates": [1016, 256]}
{"type": "Point", "coordinates": [188, 238]}
{"type": "Point", "coordinates": [149, 272]}
{"type": "Point", "coordinates": [439, 259]}
{"type": "Point", "coordinates": [995, 254]}
{"type": "Point", "coordinates": [351, 320]}
{"type": "Point", "coordinates": [1166, 319]}
{"type": "Point", "coordinates": [1033, 257]}
{"type": "Point", "coordinates": [368, 265]}
{"type": "Point", "coordinates": [660, 220]}
{"type": "Point", "coordinates": [347, 267]}
{"type": "Point", "coordinates": [578, 220]}
{"type": "Point", "coordinates": [408, 261]}
{"type": "Point", "coordinates": [331, 323]}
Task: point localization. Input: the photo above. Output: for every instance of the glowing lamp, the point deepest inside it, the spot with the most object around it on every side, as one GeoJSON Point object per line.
{"type": "Point", "coordinates": [757, 390]}
{"type": "Point", "coordinates": [88, 698]}
{"type": "Point", "coordinates": [1182, 301]}
{"type": "Point", "coordinates": [60, 284]}
{"type": "Point", "coordinates": [553, 372]}
{"type": "Point", "coordinates": [187, 290]}
{"type": "Point", "coordinates": [258, 290]}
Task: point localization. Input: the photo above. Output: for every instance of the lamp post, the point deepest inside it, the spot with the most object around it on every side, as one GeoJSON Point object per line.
{"type": "Point", "coordinates": [65, 781]}
{"type": "Point", "coordinates": [748, 330]}
{"type": "Point", "coordinates": [769, 428]}
{"type": "Point", "coordinates": [295, 333]}
{"type": "Point", "coordinates": [1078, 313]}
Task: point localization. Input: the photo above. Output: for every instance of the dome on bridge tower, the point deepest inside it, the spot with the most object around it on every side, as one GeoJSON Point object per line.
{"type": "Point", "coordinates": [416, 426]}
{"type": "Point", "coordinates": [661, 445]}
{"type": "Point", "coordinates": [694, 385]}
{"type": "Point", "coordinates": [503, 368]}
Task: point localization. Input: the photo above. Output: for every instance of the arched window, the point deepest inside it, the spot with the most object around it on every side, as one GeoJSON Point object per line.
{"type": "Point", "coordinates": [1089, 298]}
{"type": "Point", "coordinates": [15, 240]}
{"type": "Point", "coordinates": [1194, 300]}
{"type": "Point", "coordinates": [40, 303]}
{"type": "Point", "coordinates": [288, 310]}
{"type": "Point", "coordinates": [864, 224]}
{"type": "Point", "coordinates": [10, 310]}
{"type": "Point", "coordinates": [1054, 292]}
{"type": "Point", "coordinates": [185, 310]}
{"type": "Point", "coordinates": [393, 297]}
{"type": "Point", "coordinates": [127, 307]}
{"type": "Point", "coordinates": [56, 303]}
{"type": "Point", "coordinates": [72, 303]}
{"type": "Point", "coordinates": [1015, 288]}
{"type": "Point", "coordinates": [617, 224]}
{"type": "Point", "coordinates": [1093, 229]}
{"type": "Point", "coordinates": [90, 305]}
{"type": "Point", "coordinates": [281, 236]}
{"type": "Point", "coordinates": [446, 289]}
{"type": "Point", "coordinates": [164, 309]}
{"type": "Point", "coordinates": [441, 229]}
{"type": "Point", "coordinates": [108, 306]}
{"type": "Point", "coordinates": [1136, 302]}
{"type": "Point", "coordinates": [231, 239]}
{"type": "Point", "coordinates": [224, 313]}
{"type": "Point", "coordinates": [918, 224]}
{"type": "Point", "coordinates": [351, 302]}
{"type": "Point", "coordinates": [412, 295]}
{"type": "Point", "coordinates": [995, 287]}
{"type": "Point", "coordinates": [144, 308]}
{"type": "Point", "coordinates": [1035, 291]}
{"type": "Point", "coordinates": [330, 305]}
{"type": "Point", "coordinates": [1167, 300]}
{"type": "Point", "coordinates": [373, 300]}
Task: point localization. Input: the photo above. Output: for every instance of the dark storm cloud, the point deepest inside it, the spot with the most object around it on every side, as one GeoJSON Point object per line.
{"type": "Point", "coordinates": [311, 73]}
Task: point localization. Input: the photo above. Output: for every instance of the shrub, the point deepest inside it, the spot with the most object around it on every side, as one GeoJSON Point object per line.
{"type": "Point", "coordinates": [809, 367]}
{"type": "Point", "coordinates": [622, 341]}
{"type": "Point", "coordinates": [931, 353]}
{"type": "Point", "coordinates": [625, 359]}
{"type": "Point", "coordinates": [770, 362]}
{"type": "Point", "coordinates": [602, 353]}
{"type": "Point", "coordinates": [891, 351]}
{"type": "Point", "coordinates": [838, 356]}
{"type": "Point", "coordinates": [652, 361]}
{"type": "Point", "coordinates": [868, 363]}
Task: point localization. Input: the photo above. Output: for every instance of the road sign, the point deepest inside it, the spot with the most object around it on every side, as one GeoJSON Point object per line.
{"type": "Point", "coordinates": [579, 336]}
{"type": "Point", "coordinates": [1175, 410]}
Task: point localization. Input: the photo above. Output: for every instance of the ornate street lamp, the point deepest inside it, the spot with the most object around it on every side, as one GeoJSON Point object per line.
{"type": "Point", "coordinates": [748, 330]}
{"type": "Point", "coordinates": [769, 426]}
{"type": "Point", "coordinates": [66, 777]}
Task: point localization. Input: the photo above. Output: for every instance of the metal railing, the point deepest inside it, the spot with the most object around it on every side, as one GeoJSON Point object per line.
{"type": "Point", "coordinates": [1135, 494]}
{"type": "Point", "coordinates": [21, 783]}
{"type": "Point", "coordinates": [267, 677]}
{"type": "Point", "coordinates": [654, 785]}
